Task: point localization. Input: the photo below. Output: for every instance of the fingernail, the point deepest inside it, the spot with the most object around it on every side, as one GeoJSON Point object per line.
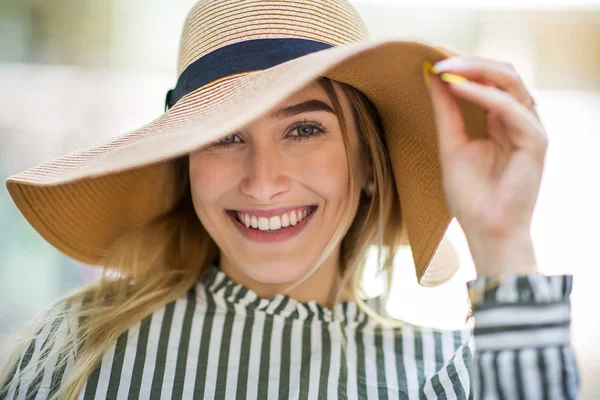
{"type": "Point", "coordinates": [452, 78]}
{"type": "Point", "coordinates": [427, 66]}
{"type": "Point", "coordinates": [451, 63]}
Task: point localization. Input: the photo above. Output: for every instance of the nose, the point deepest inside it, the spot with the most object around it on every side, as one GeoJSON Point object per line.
{"type": "Point", "coordinates": [265, 175]}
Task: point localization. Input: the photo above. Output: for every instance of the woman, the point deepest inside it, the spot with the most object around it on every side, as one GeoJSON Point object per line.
{"type": "Point", "coordinates": [233, 229]}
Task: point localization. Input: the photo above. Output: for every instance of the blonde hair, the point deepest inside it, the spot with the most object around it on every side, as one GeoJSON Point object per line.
{"type": "Point", "coordinates": [158, 263]}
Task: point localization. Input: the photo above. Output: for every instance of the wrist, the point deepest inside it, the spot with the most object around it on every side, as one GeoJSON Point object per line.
{"type": "Point", "coordinates": [514, 254]}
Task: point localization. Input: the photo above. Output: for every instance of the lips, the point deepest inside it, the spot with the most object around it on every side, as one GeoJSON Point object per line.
{"type": "Point", "coordinates": [283, 220]}
{"type": "Point", "coordinates": [284, 225]}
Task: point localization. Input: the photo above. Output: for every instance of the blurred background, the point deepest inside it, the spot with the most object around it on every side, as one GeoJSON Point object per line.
{"type": "Point", "coordinates": [76, 72]}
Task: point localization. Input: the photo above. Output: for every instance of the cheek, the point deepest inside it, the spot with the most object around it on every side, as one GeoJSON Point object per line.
{"type": "Point", "coordinates": [210, 178]}
{"type": "Point", "coordinates": [326, 171]}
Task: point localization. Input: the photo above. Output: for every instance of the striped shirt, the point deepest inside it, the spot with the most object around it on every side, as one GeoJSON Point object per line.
{"type": "Point", "coordinates": [222, 341]}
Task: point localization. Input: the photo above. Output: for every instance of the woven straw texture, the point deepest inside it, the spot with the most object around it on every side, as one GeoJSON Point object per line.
{"type": "Point", "coordinates": [83, 201]}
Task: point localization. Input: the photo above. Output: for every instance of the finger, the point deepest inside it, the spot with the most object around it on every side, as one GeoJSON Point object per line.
{"type": "Point", "coordinates": [522, 127]}
{"type": "Point", "coordinates": [450, 126]}
{"type": "Point", "coordinates": [490, 72]}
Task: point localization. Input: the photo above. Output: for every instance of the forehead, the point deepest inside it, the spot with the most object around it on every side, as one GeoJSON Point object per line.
{"type": "Point", "coordinates": [311, 90]}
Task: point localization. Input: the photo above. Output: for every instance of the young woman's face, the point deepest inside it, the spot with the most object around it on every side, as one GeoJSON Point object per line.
{"type": "Point", "coordinates": [272, 194]}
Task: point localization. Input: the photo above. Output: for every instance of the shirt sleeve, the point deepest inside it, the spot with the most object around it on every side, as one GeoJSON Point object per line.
{"type": "Point", "coordinates": [39, 368]}
{"type": "Point", "coordinates": [522, 345]}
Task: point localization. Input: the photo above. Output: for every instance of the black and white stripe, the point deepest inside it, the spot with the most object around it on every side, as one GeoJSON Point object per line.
{"type": "Point", "coordinates": [522, 339]}
{"type": "Point", "coordinates": [222, 341]}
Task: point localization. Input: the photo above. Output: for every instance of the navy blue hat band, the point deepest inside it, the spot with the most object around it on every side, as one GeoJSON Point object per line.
{"type": "Point", "coordinates": [251, 55]}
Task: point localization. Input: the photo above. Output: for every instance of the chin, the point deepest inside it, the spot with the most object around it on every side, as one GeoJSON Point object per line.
{"type": "Point", "coordinates": [275, 271]}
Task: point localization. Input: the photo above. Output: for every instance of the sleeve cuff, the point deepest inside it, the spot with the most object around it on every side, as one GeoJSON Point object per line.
{"type": "Point", "coordinates": [522, 311]}
{"type": "Point", "coordinates": [522, 289]}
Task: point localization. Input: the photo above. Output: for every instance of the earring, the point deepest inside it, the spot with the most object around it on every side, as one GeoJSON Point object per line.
{"type": "Point", "coordinates": [370, 189]}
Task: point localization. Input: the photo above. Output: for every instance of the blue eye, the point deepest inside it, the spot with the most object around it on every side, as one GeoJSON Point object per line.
{"type": "Point", "coordinates": [230, 139]}
{"type": "Point", "coordinates": [300, 130]}
{"type": "Point", "coordinates": [227, 141]}
{"type": "Point", "coordinates": [306, 130]}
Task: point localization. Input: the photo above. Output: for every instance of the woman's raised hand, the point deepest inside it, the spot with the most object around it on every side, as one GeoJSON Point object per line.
{"type": "Point", "coordinates": [491, 184]}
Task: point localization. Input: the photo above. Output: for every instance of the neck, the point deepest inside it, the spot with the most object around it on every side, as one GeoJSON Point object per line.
{"type": "Point", "coordinates": [319, 286]}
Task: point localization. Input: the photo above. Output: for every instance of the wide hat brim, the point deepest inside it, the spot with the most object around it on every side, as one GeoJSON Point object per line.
{"type": "Point", "coordinates": [83, 201]}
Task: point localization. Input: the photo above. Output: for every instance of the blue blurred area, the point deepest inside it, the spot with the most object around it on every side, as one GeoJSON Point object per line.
{"type": "Point", "coordinates": [32, 273]}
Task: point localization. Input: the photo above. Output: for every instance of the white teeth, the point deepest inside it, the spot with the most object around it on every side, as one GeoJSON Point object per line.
{"type": "Point", "coordinates": [263, 224]}
{"type": "Point", "coordinates": [274, 223]}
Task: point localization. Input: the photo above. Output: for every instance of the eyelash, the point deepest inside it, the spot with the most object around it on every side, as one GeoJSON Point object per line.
{"type": "Point", "coordinates": [317, 125]}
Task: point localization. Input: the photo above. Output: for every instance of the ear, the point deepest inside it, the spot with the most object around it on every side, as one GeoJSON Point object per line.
{"type": "Point", "coordinates": [368, 181]}
{"type": "Point", "coordinates": [368, 175]}
{"type": "Point", "coordinates": [370, 189]}
{"type": "Point", "coordinates": [364, 172]}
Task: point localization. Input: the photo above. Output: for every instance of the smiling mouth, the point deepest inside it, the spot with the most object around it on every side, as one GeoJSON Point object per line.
{"type": "Point", "coordinates": [275, 223]}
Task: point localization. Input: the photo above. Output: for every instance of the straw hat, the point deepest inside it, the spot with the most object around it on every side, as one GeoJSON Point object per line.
{"type": "Point", "coordinates": [231, 54]}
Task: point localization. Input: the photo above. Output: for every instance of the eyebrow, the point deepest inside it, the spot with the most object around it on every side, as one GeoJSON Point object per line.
{"type": "Point", "coordinates": [310, 105]}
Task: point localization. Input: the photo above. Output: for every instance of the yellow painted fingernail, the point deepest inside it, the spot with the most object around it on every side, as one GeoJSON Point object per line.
{"type": "Point", "coordinates": [427, 65]}
{"type": "Point", "coordinates": [428, 68]}
{"type": "Point", "coordinates": [452, 78]}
